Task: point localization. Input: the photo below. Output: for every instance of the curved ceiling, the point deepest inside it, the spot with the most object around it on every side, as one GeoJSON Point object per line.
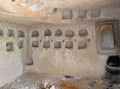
{"type": "Point", "coordinates": [46, 9]}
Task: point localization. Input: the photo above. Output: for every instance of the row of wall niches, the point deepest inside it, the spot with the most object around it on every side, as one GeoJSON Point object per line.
{"type": "Point", "coordinates": [69, 14]}
{"type": "Point", "coordinates": [10, 46]}
{"type": "Point", "coordinates": [68, 33]}
{"type": "Point", "coordinates": [58, 44]}
{"type": "Point", "coordinates": [11, 33]}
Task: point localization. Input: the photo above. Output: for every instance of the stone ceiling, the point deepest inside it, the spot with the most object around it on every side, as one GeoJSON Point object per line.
{"type": "Point", "coordinates": [44, 10]}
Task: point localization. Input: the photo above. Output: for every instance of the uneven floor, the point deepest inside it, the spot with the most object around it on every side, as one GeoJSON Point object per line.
{"type": "Point", "coordinates": [45, 81]}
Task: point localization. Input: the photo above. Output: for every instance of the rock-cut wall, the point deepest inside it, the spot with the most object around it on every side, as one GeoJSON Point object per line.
{"type": "Point", "coordinates": [12, 51]}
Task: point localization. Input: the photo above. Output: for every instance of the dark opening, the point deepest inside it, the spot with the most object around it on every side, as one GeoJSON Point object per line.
{"type": "Point", "coordinates": [35, 34]}
{"type": "Point", "coordinates": [47, 32]}
{"type": "Point", "coordinates": [113, 61]}
{"type": "Point", "coordinates": [113, 65]}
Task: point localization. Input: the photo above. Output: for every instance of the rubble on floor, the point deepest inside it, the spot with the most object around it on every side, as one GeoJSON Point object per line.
{"type": "Point", "coordinates": [49, 81]}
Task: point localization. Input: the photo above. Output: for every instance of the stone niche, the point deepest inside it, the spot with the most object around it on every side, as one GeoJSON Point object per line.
{"type": "Point", "coordinates": [83, 32]}
{"type": "Point", "coordinates": [82, 45]}
{"type": "Point", "coordinates": [47, 32]}
{"type": "Point", "coordinates": [9, 46]}
{"type": "Point", "coordinates": [67, 14]}
{"type": "Point", "coordinates": [95, 13]}
{"type": "Point", "coordinates": [69, 33]}
{"type": "Point", "coordinates": [108, 37]}
{"type": "Point", "coordinates": [11, 33]}
{"type": "Point", "coordinates": [21, 34]}
{"type": "Point", "coordinates": [57, 44]}
{"type": "Point", "coordinates": [69, 45]}
{"type": "Point", "coordinates": [35, 34]}
{"type": "Point", "coordinates": [58, 32]}
{"type": "Point", "coordinates": [82, 13]}
{"type": "Point", "coordinates": [46, 44]}
{"type": "Point", "coordinates": [20, 44]}
{"type": "Point", "coordinates": [35, 44]}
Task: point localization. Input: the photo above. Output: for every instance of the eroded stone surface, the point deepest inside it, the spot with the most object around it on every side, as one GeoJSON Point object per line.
{"type": "Point", "coordinates": [48, 81]}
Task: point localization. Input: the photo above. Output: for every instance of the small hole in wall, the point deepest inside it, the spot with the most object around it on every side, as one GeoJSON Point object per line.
{"type": "Point", "coordinates": [11, 33]}
{"type": "Point", "coordinates": [1, 32]}
{"type": "Point", "coordinates": [58, 32]}
{"type": "Point", "coordinates": [83, 32]}
{"type": "Point", "coordinates": [82, 45]}
{"type": "Point", "coordinates": [35, 34]}
{"type": "Point", "coordinates": [57, 44]}
{"type": "Point", "coordinates": [10, 46]}
{"type": "Point", "coordinates": [21, 34]}
{"type": "Point", "coordinates": [69, 44]}
{"type": "Point", "coordinates": [69, 33]}
{"type": "Point", "coordinates": [35, 44]}
{"type": "Point", "coordinates": [20, 45]}
{"type": "Point", "coordinates": [46, 44]}
{"type": "Point", "coordinates": [67, 14]}
{"type": "Point", "coordinates": [47, 32]}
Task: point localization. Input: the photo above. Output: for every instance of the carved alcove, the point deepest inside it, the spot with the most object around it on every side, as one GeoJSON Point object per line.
{"type": "Point", "coordinates": [21, 34]}
{"type": "Point", "coordinates": [69, 33]}
{"type": "Point", "coordinates": [58, 32]}
{"type": "Point", "coordinates": [46, 44]}
{"type": "Point", "coordinates": [57, 44]}
{"type": "Point", "coordinates": [82, 13]}
{"type": "Point", "coordinates": [11, 33]}
{"type": "Point", "coordinates": [47, 32]}
{"type": "Point", "coordinates": [82, 45]}
{"type": "Point", "coordinates": [35, 44]}
{"type": "Point", "coordinates": [83, 32]}
{"type": "Point", "coordinates": [20, 44]}
{"type": "Point", "coordinates": [9, 46]}
{"type": "Point", "coordinates": [69, 45]}
{"type": "Point", "coordinates": [108, 37]}
{"type": "Point", "coordinates": [67, 14]}
{"type": "Point", "coordinates": [35, 34]}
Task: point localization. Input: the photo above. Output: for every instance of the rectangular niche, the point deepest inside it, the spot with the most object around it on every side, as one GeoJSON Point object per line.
{"type": "Point", "coordinates": [82, 45]}
{"type": "Point", "coordinates": [67, 14]}
{"type": "Point", "coordinates": [57, 44]}
{"type": "Point", "coordinates": [11, 33]}
{"type": "Point", "coordinates": [69, 45]}
{"type": "Point", "coordinates": [9, 46]}
{"type": "Point", "coordinates": [21, 34]}
{"type": "Point", "coordinates": [108, 37]}
{"type": "Point", "coordinates": [46, 44]}
{"type": "Point", "coordinates": [82, 13]}
{"type": "Point", "coordinates": [20, 44]}
{"type": "Point", "coordinates": [35, 44]}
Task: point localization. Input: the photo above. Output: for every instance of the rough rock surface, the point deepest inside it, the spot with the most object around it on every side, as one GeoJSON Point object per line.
{"type": "Point", "coordinates": [45, 81]}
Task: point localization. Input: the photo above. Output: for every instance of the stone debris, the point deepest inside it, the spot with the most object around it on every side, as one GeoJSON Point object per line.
{"type": "Point", "coordinates": [48, 81]}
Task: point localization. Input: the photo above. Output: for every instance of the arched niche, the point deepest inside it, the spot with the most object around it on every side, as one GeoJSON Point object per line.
{"type": "Point", "coordinates": [58, 32]}
{"type": "Point", "coordinates": [69, 33]}
{"type": "Point", "coordinates": [83, 32]}
{"type": "Point", "coordinates": [47, 32]}
{"type": "Point", "coordinates": [35, 34]}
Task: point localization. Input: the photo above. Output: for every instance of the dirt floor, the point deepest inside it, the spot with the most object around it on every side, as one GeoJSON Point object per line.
{"type": "Point", "coordinates": [45, 81]}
